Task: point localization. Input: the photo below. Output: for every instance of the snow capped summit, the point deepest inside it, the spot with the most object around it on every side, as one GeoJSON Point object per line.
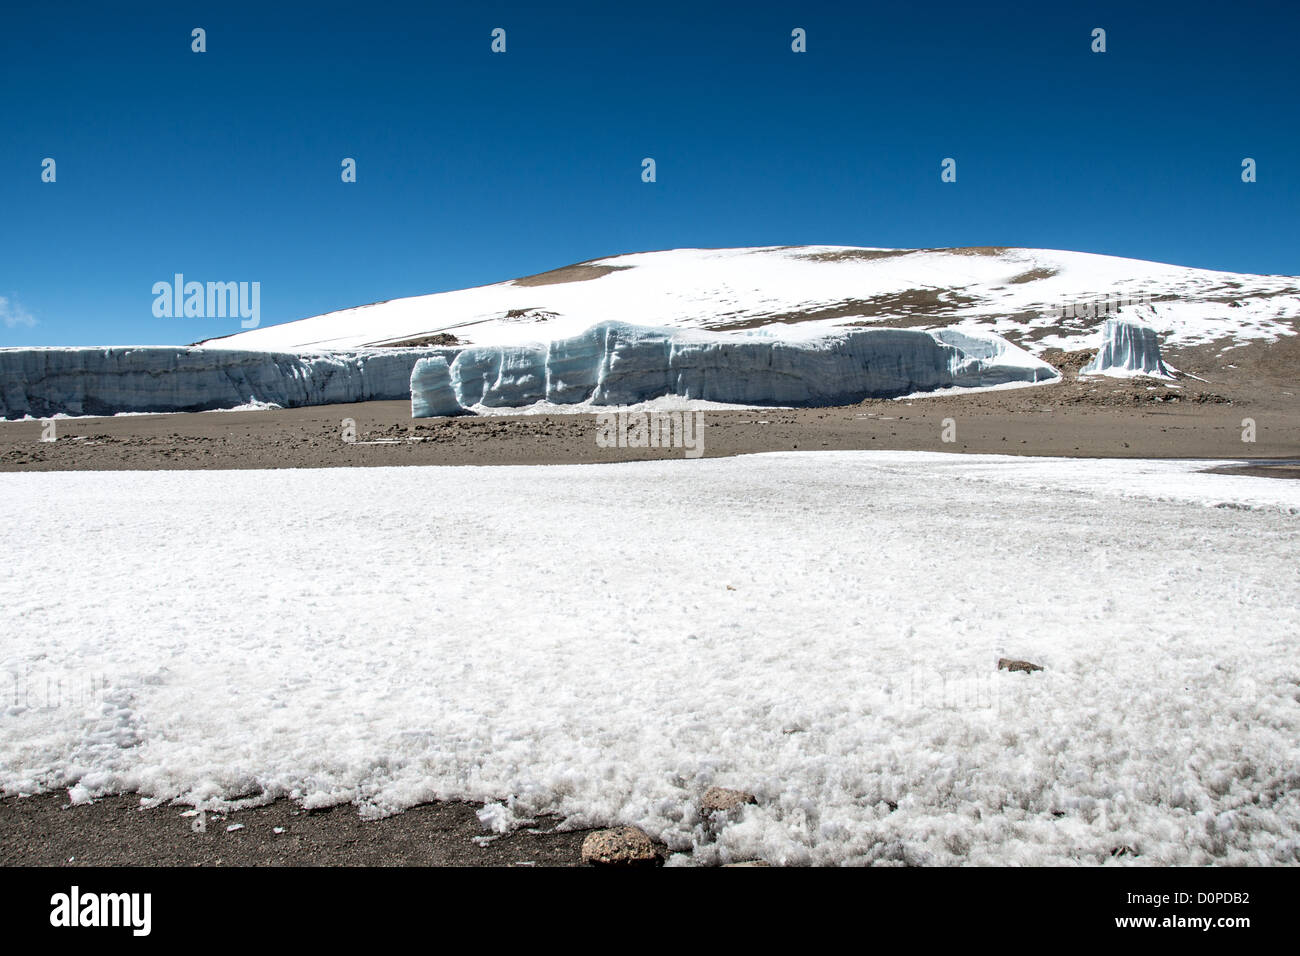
{"type": "Point", "coordinates": [1037, 298]}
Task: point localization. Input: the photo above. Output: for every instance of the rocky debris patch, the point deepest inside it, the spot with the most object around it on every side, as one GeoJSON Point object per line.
{"type": "Point", "coordinates": [620, 846]}
{"type": "Point", "coordinates": [534, 315]}
{"type": "Point", "coordinates": [1007, 664]}
{"type": "Point", "coordinates": [1033, 275]}
{"type": "Point", "coordinates": [724, 800]}
{"type": "Point", "coordinates": [1140, 391]}
{"type": "Point", "coordinates": [1068, 363]}
{"type": "Point", "coordinates": [422, 341]}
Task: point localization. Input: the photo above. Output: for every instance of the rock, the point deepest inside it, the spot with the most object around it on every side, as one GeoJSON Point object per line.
{"type": "Point", "coordinates": [748, 863]}
{"type": "Point", "coordinates": [1069, 362]}
{"type": "Point", "coordinates": [619, 846]}
{"type": "Point", "coordinates": [1007, 664]}
{"type": "Point", "coordinates": [723, 800]}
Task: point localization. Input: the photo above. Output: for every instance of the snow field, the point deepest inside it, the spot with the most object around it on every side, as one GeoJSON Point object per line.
{"type": "Point", "coordinates": [563, 639]}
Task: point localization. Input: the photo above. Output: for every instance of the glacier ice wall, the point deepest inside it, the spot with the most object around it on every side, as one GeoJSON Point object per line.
{"type": "Point", "coordinates": [104, 381]}
{"type": "Point", "coordinates": [431, 391]}
{"type": "Point", "coordinates": [1128, 347]}
{"type": "Point", "coordinates": [614, 363]}
{"type": "Point", "coordinates": [611, 363]}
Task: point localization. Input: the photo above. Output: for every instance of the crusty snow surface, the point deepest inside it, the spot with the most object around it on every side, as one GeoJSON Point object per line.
{"type": "Point", "coordinates": [567, 638]}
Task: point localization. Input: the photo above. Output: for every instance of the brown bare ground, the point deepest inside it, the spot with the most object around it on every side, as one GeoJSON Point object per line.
{"type": "Point", "coordinates": [1033, 275]}
{"type": "Point", "coordinates": [115, 831]}
{"type": "Point", "coordinates": [581, 272]}
{"type": "Point", "coordinates": [862, 255]}
{"type": "Point", "coordinates": [423, 341]}
{"type": "Point", "coordinates": [903, 308]}
{"type": "Point", "coordinates": [1095, 417]}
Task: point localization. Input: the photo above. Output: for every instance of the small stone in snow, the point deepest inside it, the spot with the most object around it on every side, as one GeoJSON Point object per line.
{"type": "Point", "coordinates": [1007, 664]}
{"type": "Point", "coordinates": [724, 800]}
{"type": "Point", "coordinates": [620, 846]}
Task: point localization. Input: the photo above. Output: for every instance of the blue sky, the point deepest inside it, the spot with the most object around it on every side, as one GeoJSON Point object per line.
{"type": "Point", "coordinates": [475, 167]}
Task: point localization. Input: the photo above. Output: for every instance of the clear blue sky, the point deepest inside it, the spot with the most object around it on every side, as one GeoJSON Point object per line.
{"type": "Point", "coordinates": [475, 167]}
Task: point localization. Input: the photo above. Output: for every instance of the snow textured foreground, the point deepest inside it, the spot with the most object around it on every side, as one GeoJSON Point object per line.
{"type": "Point", "coordinates": [567, 638]}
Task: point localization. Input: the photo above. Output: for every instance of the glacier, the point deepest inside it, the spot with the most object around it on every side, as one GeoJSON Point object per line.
{"type": "Point", "coordinates": [431, 390]}
{"type": "Point", "coordinates": [617, 363]}
{"type": "Point", "coordinates": [611, 363]}
{"type": "Point", "coordinates": [40, 382]}
{"type": "Point", "coordinates": [1128, 347]}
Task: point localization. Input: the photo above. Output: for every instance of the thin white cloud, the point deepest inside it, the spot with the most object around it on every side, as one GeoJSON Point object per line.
{"type": "Point", "coordinates": [13, 315]}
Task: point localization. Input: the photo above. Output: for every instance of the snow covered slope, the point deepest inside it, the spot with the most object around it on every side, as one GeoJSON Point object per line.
{"type": "Point", "coordinates": [619, 364]}
{"type": "Point", "coordinates": [820, 629]}
{"type": "Point", "coordinates": [1035, 297]}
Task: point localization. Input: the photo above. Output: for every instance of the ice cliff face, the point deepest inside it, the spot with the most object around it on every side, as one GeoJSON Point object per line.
{"type": "Point", "coordinates": [611, 363]}
{"type": "Point", "coordinates": [614, 363]}
{"type": "Point", "coordinates": [431, 390]}
{"type": "Point", "coordinates": [105, 381]}
{"type": "Point", "coordinates": [1128, 348]}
